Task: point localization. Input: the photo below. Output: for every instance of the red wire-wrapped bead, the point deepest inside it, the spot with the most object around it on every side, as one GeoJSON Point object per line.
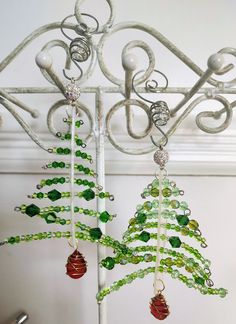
{"type": "Point", "coordinates": [76, 265]}
{"type": "Point", "coordinates": [159, 308]}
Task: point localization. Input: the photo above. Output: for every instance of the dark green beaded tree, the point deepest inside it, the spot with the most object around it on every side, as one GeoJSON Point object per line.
{"type": "Point", "coordinates": [54, 213]}
{"type": "Point", "coordinates": [178, 259]}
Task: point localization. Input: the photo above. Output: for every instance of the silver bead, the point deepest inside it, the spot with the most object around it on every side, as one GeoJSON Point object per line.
{"type": "Point", "coordinates": [161, 157]}
{"type": "Point", "coordinates": [72, 92]}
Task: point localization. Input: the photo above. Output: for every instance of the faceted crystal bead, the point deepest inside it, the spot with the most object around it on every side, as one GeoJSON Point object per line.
{"type": "Point", "coordinates": [166, 192]}
{"type": "Point", "coordinates": [147, 205]}
{"type": "Point", "coordinates": [193, 224]}
{"type": "Point", "coordinates": [154, 192]}
{"type": "Point", "coordinates": [50, 218]}
{"type": "Point", "coordinates": [141, 218]}
{"type": "Point", "coordinates": [88, 194]}
{"type": "Point", "coordinates": [95, 233]}
{"type": "Point", "coordinates": [32, 210]}
{"type": "Point", "coordinates": [182, 220]}
{"type": "Point", "coordinates": [175, 241]}
{"type": "Point", "coordinates": [54, 195]}
{"type": "Point", "coordinates": [199, 281]}
{"type": "Point", "coordinates": [108, 263]}
{"type": "Point", "coordinates": [174, 204]}
{"type": "Point", "coordinates": [104, 217]}
{"type": "Point", "coordinates": [144, 236]}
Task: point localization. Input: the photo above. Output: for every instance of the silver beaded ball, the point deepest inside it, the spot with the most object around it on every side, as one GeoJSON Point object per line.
{"type": "Point", "coordinates": [72, 92]}
{"type": "Point", "coordinates": [161, 157]}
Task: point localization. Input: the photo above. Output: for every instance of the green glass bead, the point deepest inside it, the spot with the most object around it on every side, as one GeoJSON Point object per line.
{"type": "Point", "coordinates": [50, 218]}
{"type": "Point", "coordinates": [32, 210]}
{"type": "Point", "coordinates": [135, 260]}
{"type": "Point", "coordinates": [183, 205]}
{"type": "Point", "coordinates": [104, 217]}
{"type": "Point", "coordinates": [60, 150]}
{"type": "Point", "coordinates": [200, 281]}
{"type": "Point", "coordinates": [54, 164]}
{"type": "Point", "coordinates": [67, 136]}
{"type": "Point", "coordinates": [141, 218]}
{"type": "Point", "coordinates": [54, 195]}
{"type": "Point", "coordinates": [189, 269]}
{"type": "Point", "coordinates": [11, 240]}
{"type": "Point", "coordinates": [78, 123]}
{"type": "Point", "coordinates": [179, 263]}
{"type": "Point", "coordinates": [166, 182]}
{"type": "Point", "coordinates": [175, 241]}
{"type": "Point", "coordinates": [182, 220]}
{"type": "Point", "coordinates": [55, 180]}
{"type": "Point", "coordinates": [147, 205]}
{"type": "Point", "coordinates": [62, 221]}
{"type": "Point", "coordinates": [144, 236]}
{"type": "Point", "coordinates": [78, 153]}
{"type": "Point", "coordinates": [62, 165]}
{"type": "Point", "coordinates": [193, 224]}
{"type": "Point", "coordinates": [102, 195]}
{"type": "Point", "coordinates": [88, 194]}
{"type": "Point", "coordinates": [168, 261]}
{"type": "Point", "coordinates": [57, 209]}
{"type": "Point", "coordinates": [222, 292]}
{"type": "Point", "coordinates": [58, 234]}
{"type": "Point", "coordinates": [66, 151]}
{"type": "Point", "coordinates": [84, 155]}
{"type": "Point", "coordinates": [166, 192]}
{"type": "Point", "coordinates": [62, 180]}
{"type": "Point", "coordinates": [154, 192]}
{"type": "Point", "coordinates": [40, 195]}
{"type": "Point", "coordinates": [108, 263]}
{"type": "Point", "coordinates": [174, 204]}
{"type": "Point", "coordinates": [175, 192]}
{"type": "Point", "coordinates": [184, 231]}
{"type": "Point", "coordinates": [86, 170]}
{"type": "Point", "coordinates": [148, 257]}
{"type": "Point", "coordinates": [79, 142]}
{"type": "Point", "coordinates": [95, 233]}
{"type": "Point", "coordinates": [48, 182]}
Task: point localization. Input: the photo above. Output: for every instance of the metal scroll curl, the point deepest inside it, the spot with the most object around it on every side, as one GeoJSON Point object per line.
{"type": "Point", "coordinates": [145, 133]}
{"type": "Point", "coordinates": [102, 28]}
{"type": "Point", "coordinates": [79, 107]}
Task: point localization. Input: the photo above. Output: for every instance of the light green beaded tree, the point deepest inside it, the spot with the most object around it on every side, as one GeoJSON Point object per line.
{"type": "Point", "coordinates": [178, 259]}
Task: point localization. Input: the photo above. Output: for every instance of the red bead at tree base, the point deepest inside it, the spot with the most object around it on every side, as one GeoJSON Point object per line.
{"type": "Point", "coordinates": [76, 265]}
{"type": "Point", "coordinates": [159, 308]}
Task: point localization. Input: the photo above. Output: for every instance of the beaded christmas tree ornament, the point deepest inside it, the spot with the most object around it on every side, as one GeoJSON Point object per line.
{"type": "Point", "coordinates": [166, 221]}
{"type": "Point", "coordinates": [88, 190]}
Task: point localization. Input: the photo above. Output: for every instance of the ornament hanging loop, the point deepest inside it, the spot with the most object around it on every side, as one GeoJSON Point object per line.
{"type": "Point", "coordinates": [162, 288]}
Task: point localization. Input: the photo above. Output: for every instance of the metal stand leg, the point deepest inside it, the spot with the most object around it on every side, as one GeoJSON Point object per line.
{"type": "Point", "coordinates": [100, 161]}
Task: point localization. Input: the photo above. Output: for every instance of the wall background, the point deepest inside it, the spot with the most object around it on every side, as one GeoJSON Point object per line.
{"type": "Point", "coordinates": [32, 276]}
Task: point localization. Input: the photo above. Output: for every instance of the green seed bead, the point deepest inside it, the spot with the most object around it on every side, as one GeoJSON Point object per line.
{"type": "Point", "coordinates": [40, 195]}
{"type": "Point", "coordinates": [54, 164]}
{"type": "Point", "coordinates": [102, 195]}
{"type": "Point", "coordinates": [174, 204]}
{"type": "Point", "coordinates": [60, 150]}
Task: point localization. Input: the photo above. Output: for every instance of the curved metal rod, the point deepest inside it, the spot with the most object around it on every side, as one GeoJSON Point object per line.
{"type": "Point", "coordinates": [79, 106]}
{"type": "Point", "coordinates": [210, 114]}
{"type": "Point", "coordinates": [29, 39]}
{"type": "Point", "coordinates": [50, 45]}
{"type": "Point", "coordinates": [112, 139]}
{"type": "Point", "coordinates": [148, 87]}
{"type": "Point", "coordinates": [102, 28]}
{"type": "Point", "coordinates": [24, 125]}
{"type": "Point", "coordinates": [34, 113]}
{"type": "Point", "coordinates": [77, 78]}
{"type": "Point", "coordinates": [79, 30]}
{"type": "Point", "coordinates": [193, 104]}
{"type": "Point", "coordinates": [157, 35]}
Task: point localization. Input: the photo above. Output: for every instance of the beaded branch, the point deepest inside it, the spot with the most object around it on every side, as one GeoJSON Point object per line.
{"type": "Point", "coordinates": [178, 259]}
